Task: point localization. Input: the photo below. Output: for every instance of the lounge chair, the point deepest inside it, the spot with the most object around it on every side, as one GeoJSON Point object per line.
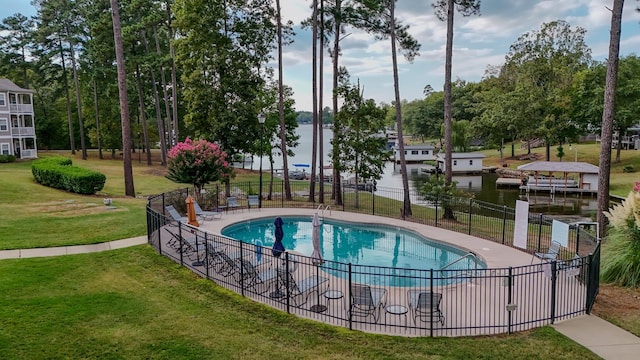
{"type": "Point", "coordinates": [206, 215]}
{"type": "Point", "coordinates": [550, 255]}
{"type": "Point", "coordinates": [176, 215]}
{"type": "Point", "coordinates": [253, 200]}
{"type": "Point", "coordinates": [425, 305]}
{"type": "Point", "coordinates": [303, 288]}
{"type": "Point", "coordinates": [188, 245]}
{"type": "Point", "coordinates": [232, 203]}
{"type": "Point", "coordinates": [254, 278]}
{"type": "Point", "coordinates": [367, 301]}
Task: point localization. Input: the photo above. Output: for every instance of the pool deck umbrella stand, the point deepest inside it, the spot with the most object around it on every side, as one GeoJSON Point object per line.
{"type": "Point", "coordinates": [277, 250]}
{"type": "Point", "coordinates": [317, 260]}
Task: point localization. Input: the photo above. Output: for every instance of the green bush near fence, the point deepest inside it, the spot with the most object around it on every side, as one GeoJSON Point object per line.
{"type": "Point", "coordinates": [58, 172]}
{"type": "Point", "coordinates": [7, 158]}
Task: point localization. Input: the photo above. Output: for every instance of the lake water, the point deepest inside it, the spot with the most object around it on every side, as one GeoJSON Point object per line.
{"type": "Point", "coordinates": [482, 186]}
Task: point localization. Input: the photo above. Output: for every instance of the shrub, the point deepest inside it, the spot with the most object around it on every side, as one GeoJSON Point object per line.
{"type": "Point", "coordinates": [58, 172]}
{"type": "Point", "coordinates": [621, 248]}
{"type": "Point", "coordinates": [628, 169]}
{"type": "Point", "coordinates": [7, 158]}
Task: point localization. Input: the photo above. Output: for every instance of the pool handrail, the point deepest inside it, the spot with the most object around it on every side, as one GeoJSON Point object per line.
{"type": "Point", "coordinates": [470, 254]}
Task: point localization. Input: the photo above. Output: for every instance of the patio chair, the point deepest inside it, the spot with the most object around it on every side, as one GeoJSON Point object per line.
{"type": "Point", "coordinates": [550, 255]}
{"type": "Point", "coordinates": [206, 215]}
{"type": "Point", "coordinates": [232, 203]}
{"type": "Point", "coordinates": [367, 301]}
{"type": "Point", "coordinates": [425, 305]}
{"type": "Point", "coordinates": [220, 261]}
{"type": "Point", "coordinates": [188, 245]}
{"type": "Point", "coordinates": [303, 288]}
{"type": "Point", "coordinates": [254, 278]}
{"type": "Point", "coordinates": [254, 200]}
{"type": "Point", "coordinates": [176, 215]}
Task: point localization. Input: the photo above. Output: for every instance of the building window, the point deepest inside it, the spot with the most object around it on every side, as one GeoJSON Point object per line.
{"type": "Point", "coordinates": [470, 162]}
{"type": "Point", "coordinates": [405, 152]}
{"type": "Point", "coordinates": [3, 101]}
{"type": "Point", "coordinates": [4, 149]}
{"type": "Point", "coordinates": [455, 162]}
{"type": "Point", "coordinates": [425, 152]}
{"type": "Point", "coordinates": [414, 152]}
{"type": "Point", "coordinates": [4, 124]}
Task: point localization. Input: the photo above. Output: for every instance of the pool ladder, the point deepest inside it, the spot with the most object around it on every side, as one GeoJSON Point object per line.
{"type": "Point", "coordinates": [468, 255]}
{"type": "Point", "coordinates": [328, 207]}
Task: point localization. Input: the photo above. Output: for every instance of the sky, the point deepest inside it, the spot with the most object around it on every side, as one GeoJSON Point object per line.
{"type": "Point", "coordinates": [479, 41]}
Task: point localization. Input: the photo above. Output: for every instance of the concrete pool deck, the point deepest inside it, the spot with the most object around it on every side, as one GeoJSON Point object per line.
{"type": "Point", "coordinates": [601, 337]}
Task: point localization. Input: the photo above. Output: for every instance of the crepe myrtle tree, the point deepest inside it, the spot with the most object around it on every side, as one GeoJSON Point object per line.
{"type": "Point", "coordinates": [197, 162]}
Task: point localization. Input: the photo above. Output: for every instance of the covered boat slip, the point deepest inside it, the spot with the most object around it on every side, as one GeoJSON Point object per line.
{"type": "Point", "coordinates": [545, 177]}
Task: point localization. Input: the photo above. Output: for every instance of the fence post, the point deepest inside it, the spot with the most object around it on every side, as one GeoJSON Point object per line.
{"type": "Point", "coordinates": [343, 193]}
{"type": "Point", "coordinates": [431, 312]}
{"type": "Point", "coordinates": [436, 210]}
{"type": "Point", "coordinates": [241, 268]}
{"type": "Point", "coordinates": [577, 238]}
{"type": "Point", "coordinates": [539, 231]}
{"type": "Point", "coordinates": [180, 241]}
{"type": "Point", "coordinates": [286, 281]}
{"type": "Point", "coordinates": [509, 300]}
{"type": "Point", "coordinates": [504, 222]}
{"type": "Point", "coordinates": [470, 211]}
{"type": "Point", "coordinates": [553, 291]}
{"type": "Point", "coordinates": [206, 255]}
{"type": "Point", "coordinates": [373, 201]}
{"type": "Point", "coordinates": [350, 313]}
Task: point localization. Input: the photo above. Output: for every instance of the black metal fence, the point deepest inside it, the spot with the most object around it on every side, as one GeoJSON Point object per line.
{"type": "Point", "coordinates": [409, 301]}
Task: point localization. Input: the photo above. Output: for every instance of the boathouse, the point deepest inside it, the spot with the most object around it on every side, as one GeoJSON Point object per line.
{"type": "Point", "coordinates": [554, 175]}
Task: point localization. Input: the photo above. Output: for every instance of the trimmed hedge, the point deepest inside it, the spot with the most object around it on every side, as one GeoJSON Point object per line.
{"type": "Point", "coordinates": [57, 172]}
{"type": "Point", "coordinates": [7, 158]}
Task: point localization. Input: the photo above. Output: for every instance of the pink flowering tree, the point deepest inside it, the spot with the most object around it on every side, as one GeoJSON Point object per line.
{"type": "Point", "coordinates": [197, 162]}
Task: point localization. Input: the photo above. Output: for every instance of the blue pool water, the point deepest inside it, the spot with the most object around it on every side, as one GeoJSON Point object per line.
{"type": "Point", "coordinates": [405, 254]}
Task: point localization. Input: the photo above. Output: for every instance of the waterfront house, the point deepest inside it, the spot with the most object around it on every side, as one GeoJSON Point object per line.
{"type": "Point", "coordinates": [462, 163]}
{"type": "Point", "coordinates": [414, 154]}
{"type": "Point", "coordinates": [17, 126]}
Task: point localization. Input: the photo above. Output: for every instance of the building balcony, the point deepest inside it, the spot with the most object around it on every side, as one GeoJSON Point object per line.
{"type": "Point", "coordinates": [23, 131]}
{"type": "Point", "coordinates": [21, 108]}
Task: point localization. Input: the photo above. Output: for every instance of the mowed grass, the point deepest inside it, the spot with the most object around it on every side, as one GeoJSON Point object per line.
{"type": "Point", "coordinates": [135, 304]}
{"type": "Point", "coordinates": [32, 215]}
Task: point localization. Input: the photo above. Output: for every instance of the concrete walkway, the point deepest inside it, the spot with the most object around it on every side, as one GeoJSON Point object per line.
{"type": "Point", "coordinates": [601, 337]}
{"type": "Point", "coordinates": [70, 250]}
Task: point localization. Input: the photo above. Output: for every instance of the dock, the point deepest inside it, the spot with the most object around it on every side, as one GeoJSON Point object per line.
{"type": "Point", "coordinates": [508, 182]}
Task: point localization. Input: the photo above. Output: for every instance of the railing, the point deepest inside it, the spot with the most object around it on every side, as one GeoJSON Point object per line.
{"type": "Point", "coordinates": [469, 255]}
{"type": "Point", "coordinates": [479, 302]}
{"type": "Point", "coordinates": [23, 131]}
{"type": "Point", "coordinates": [21, 108]}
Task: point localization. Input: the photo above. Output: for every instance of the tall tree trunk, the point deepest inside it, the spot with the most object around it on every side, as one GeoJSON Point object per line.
{"type": "Point", "coordinates": [448, 173]}
{"type": "Point", "coordinates": [72, 140]}
{"type": "Point", "coordinates": [608, 115]}
{"type": "Point", "coordinates": [78, 102]}
{"type": "Point", "coordinates": [283, 130]}
{"type": "Point", "coordinates": [96, 109]}
{"type": "Point", "coordinates": [406, 208]}
{"type": "Point", "coordinates": [320, 117]}
{"type": "Point", "coordinates": [173, 138]}
{"type": "Point", "coordinates": [124, 105]}
{"type": "Point", "coordinates": [165, 94]}
{"type": "Point", "coordinates": [156, 99]}
{"type": "Point", "coordinates": [314, 86]}
{"type": "Point", "coordinates": [143, 115]}
{"type": "Point", "coordinates": [336, 188]}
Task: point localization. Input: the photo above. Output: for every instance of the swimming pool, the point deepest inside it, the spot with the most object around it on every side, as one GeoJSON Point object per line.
{"type": "Point", "coordinates": [402, 252]}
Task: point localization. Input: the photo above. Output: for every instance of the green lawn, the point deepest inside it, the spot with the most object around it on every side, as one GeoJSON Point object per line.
{"type": "Point", "coordinates": [135, 304]}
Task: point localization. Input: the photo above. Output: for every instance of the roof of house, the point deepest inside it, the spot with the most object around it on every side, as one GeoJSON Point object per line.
{"type": "Point", "coordinates": [560, 166]}
{"type": "Point", "coordinates": [417, 146]}
{"type": "Point", "coordinates": [8, 85]}
{"type": "Point", "coordinates": [466, 155]}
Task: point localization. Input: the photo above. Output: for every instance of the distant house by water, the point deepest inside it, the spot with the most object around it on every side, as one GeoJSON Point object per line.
{"type": "Point", "coordinates": [462, 163]}
{"type": "Point", "coordinates": [415, 154]}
